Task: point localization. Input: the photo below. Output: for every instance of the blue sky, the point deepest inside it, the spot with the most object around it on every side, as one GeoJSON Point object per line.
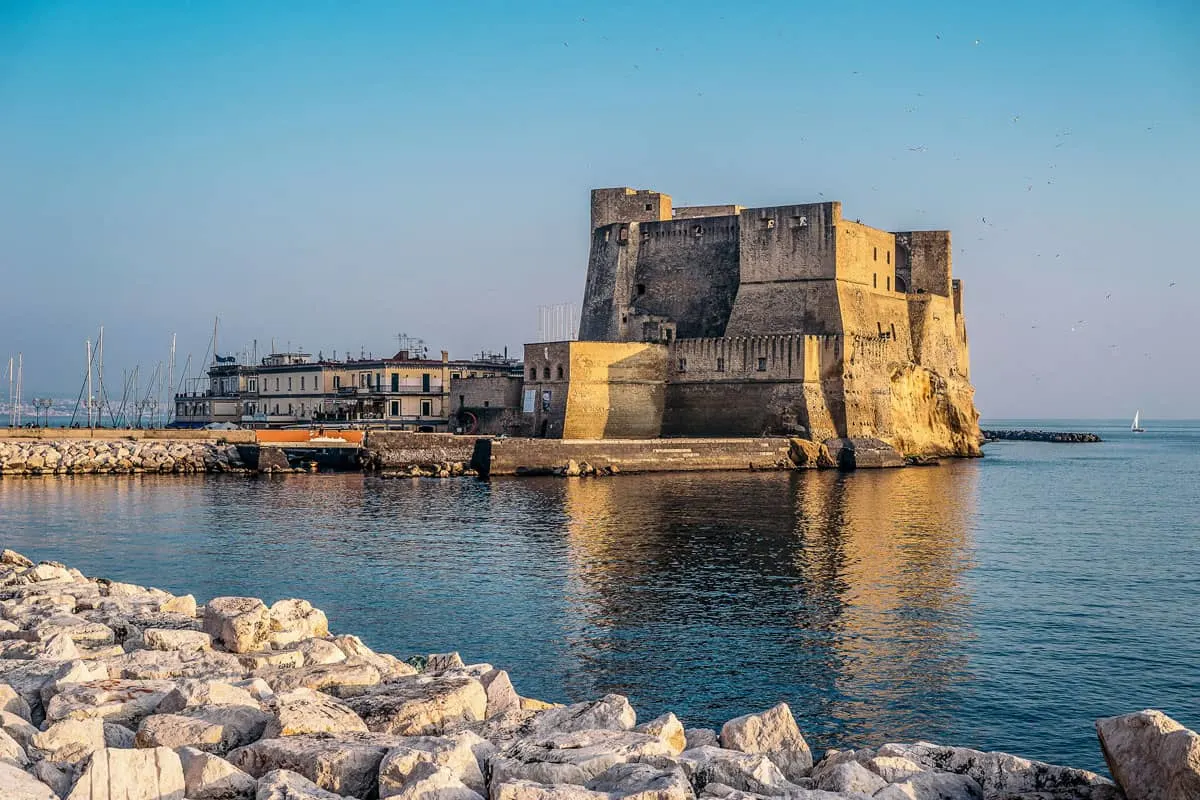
{"type": "Point", "coordinates": [332, 174]}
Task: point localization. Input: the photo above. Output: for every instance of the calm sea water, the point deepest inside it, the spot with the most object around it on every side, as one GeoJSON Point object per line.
{"type": "Point", "coordinates": [1003, 603]}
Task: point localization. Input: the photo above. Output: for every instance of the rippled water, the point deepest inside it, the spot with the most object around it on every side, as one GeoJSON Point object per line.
{"type": "Point", "coordinates": [1003, 603]}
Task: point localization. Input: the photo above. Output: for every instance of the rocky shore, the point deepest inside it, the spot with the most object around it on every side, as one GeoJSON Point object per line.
{"type": "Point", "coordinates": [110, 690]}
{"type": "Point", "coordinates": [1057, 437]}
{"type": "Point", "coordinates": [100, 456]}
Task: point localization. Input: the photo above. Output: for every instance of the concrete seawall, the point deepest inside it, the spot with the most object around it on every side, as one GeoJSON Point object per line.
{"type": "Point", "coordinates": [118, 434]}
{"type": "Point", "coordinates": [546, 456]}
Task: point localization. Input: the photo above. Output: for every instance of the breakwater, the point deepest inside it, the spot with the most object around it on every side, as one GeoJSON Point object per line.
{"type": "Point", "coordinates": [117, 456]}
{"type": "Point", "coordinates": [1058, 437]}
{"type": "Point", "coordinates": [117, 690]}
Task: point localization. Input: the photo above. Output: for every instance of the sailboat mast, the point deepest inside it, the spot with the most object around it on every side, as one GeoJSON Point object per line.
{"type": "Point", "coordinates": [100, 359]}
{"type": "Point", "coordinates": [170, 409]}
{"type": "Point", "coordinates": [89, 383]}
{"type": "Point", "coordinates": [12, 410]}
{"type": "Point", "coordinates": [20, 377]}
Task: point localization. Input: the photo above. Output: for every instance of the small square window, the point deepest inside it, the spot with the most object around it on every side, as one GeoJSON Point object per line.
{"type": "Point", "coordinates": [720, 365]}
{"type": "Point", "coordinates": [762, 365]}
{"type": "Point", "coordinates": [683, 365]}
{"type": "Point", "coordinates": [649, 206]}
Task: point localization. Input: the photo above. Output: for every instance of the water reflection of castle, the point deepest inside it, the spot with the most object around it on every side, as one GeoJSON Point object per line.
{"type": "Point", "coordinates": [849, 603]}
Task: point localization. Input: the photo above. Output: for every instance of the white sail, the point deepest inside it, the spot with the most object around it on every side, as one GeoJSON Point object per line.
{"type": "Point", "coordinates": [1137, 415]}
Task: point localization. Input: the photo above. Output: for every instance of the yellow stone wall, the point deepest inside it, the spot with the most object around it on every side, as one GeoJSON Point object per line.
{"type": "Point", "coordinates": [616, 390]}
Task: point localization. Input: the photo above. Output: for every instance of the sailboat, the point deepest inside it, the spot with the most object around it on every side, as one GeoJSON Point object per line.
{"type": "Point", "coordinates": [1136, 427]}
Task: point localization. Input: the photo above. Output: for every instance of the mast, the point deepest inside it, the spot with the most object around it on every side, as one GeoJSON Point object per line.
{"type": "Point", "coordinates": [89, 383]}
{"type": "Point", "coordinates": [169, 411]}
{"type": "Point", "coordinates": [20, 377]}
{"type": "Point", "coordinates": [215, 321]}
{"type": "Point", "coordinates": [100, 359]}
{"type": "Point", "coordinates": [12, 410]}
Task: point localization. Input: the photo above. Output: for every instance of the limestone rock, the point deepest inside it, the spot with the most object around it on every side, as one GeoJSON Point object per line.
{"type": "Point", "coordinates": [668, 729]}
{"type": "Point", "coordinates": [389, 666]}
{"type": "Point", "coordinates": [700, 737]}
{"type": "Point", "coordinates": [14, 559]}
{"type": "Point", "coordinates": [643, 780]}
{"type": "Point", "coordinates": [11, 749]}
{"type": "Point", "coordinates": [427, 781]}
{"type": "Point", "coordinates": [748, 772]}
{"type": "Point", "coordinates": [18, 728]}
{"type": "Point", "coordinates": [611, 712]}
{"type": "Point", "coordinates": [850, 776]}
{"type": "Point", "coordinates": [997, 773]}
{"type": "Point", "coordinates": [501, 696]}
{"type": "Point", "coordinates": [167, 639]}
{"type": "Point", "coordinates": [59, 777]}
{"type": "Point", "coordinates": [422, 705]}
{"type": "Point", "coordinates": [207, 777]}
{"type": "Point", "coordinates": [199, 692]}
{"type": "Point", "coordinates": [17, 784]}
{"type": "Point", "coordinates": [893, 769]}
{"type": "Point", "coordinates": [292, 621]}
{"type": "Point", "coordinates": [239, 624]}
{"type": "Point", "coordinates": [319, 651]}
{"type": "Point", "coordinates": [213, 729]}
{"type": "Point", "coordinates": [774, 733]}
{"type": "Point", "coordinates": [12, 702]}
{"type": "Point", "coordinates": [460, 754]}
{"type": "Point", "coordinates": [69, 741]}
{"type": "Point", "coordinates": [345, 763]}
{"type": "Point", "coordinates": [807, 454]}
{"type": "Point", "coordinates": [282, 784]}
{"type": "Point", "coordinates": [184, 605]}
{"type": "Point", "coordinates": [574, 757]}
{"type": "Point", "coordinates": [154, 774]}
{"type": "Point", "coordinates": [344, 679]}
{"type": "Point", "coordinates": [168, 664]}
{"type": "Point", "coordinates": [1152, 756]}
{"type": "Point", "coordinates": [122, 702]}
{"type": "Point", "coordinates": [531, 790]}
{"type": "Point", "coordinates": [71, 672]}
{"type": "Point", "coordinates": [306, 711]}
{"type": "Point", "coordinates": [933, 786]}
{"type": "Point", "coordinates": [119, 736]}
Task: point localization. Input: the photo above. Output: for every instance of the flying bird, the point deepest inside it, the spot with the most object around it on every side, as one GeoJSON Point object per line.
{"type": "Point", "coordinates": [1172, 283]}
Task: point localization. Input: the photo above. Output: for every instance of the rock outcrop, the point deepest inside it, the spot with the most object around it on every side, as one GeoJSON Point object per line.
{"type": "Point", "coordinates": [271, 706]}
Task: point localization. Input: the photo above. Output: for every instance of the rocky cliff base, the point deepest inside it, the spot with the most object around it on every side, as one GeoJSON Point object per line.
{"type": "Point", "coordinates": [931, 415]}
{"type": "Point", "coordinates": [102, 456]}
{"type": "Point", "coordinates": [111, 690]}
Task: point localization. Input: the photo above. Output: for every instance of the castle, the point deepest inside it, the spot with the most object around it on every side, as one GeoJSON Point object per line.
{"type": "Point", "coordinates": [731, 321]}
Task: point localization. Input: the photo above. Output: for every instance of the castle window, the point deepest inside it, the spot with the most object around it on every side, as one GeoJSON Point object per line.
{"type": "Point", "coordinates": [560, 372]}
{"type": "Point", "coordinates": [533, 373]}
{"type": "Point", "coordinates": [486, 403]}
{"type": "Point", "coordinates": [683, 365]}
{"type": "Point", "coordinates": [879, 325]}
{"type": "Point", "coordinates": [874, 253]}
{"type": "Point", "coordinates": [720, 365]}
{"type": "Point", "coordinates": [893, 330]}
{"type": "Point", "coordinates": [641, 288]}
{"type": "Point", "coordinates": [874, 280]}
{"type": "Point", "coordinates": [762, 365]}
{"type": "Point", "coordinates": [649, 206]}
{"type": "Point", "coordinates": [888, 280]}
{"type": "Point", "coordinates": [624, 319]}
{"type": "Point", "coordinates": [698, 230]}
{"type": "Point", "coordinates": [889, 256]}
{"type": "Point", "coordinates": [546, 373]}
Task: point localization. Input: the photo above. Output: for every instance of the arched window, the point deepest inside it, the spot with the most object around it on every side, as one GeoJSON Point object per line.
{"type": "Point", "coordinates": [546, 373]}
{"type": "Point", "coordinates": [533, 373]}
{"type": "Point", "coordinates": [560, 372]}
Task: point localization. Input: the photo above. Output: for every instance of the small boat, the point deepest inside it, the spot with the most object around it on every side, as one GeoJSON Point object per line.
{"type": "Point", "coordinates": [1136, 427]}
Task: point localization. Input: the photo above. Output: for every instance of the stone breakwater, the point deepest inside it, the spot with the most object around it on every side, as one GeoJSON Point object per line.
{"type": "Point", "coordinates": [105, 456]}
{"type": "Point", "coordinates": [1058, 437]}
{"type": "Point", "coordinates": [110, 690]}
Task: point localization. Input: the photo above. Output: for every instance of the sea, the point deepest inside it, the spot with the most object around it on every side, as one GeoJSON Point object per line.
{"type": "Point", "coordinates": [1002, 603]}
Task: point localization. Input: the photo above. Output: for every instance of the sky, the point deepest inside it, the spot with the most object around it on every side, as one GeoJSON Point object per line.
{"type": "Point", "coordinates": [332, 174]}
